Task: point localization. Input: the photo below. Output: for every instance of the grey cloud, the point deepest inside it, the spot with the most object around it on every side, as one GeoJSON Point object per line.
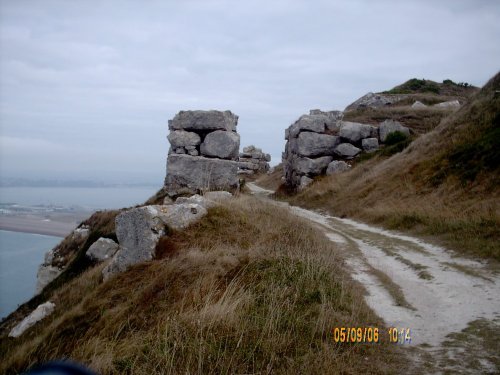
{"type": "Point", "coordinates": [107, 75]}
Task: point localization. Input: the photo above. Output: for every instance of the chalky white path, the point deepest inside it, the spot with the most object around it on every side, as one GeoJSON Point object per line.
{"type": "Point", "coordinates": [442, 303]}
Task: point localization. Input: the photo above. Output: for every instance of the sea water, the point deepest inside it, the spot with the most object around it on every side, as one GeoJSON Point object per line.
{"type": "Point", "coordinates": [22, 253]}
{"type": "Point", "coordinates": [20, 256]}
{"type": "Point", "coordinates": [90, 198]}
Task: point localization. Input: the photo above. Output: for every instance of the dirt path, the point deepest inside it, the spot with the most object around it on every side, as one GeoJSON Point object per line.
{"type": "Point", "coordinates": [450, 304]}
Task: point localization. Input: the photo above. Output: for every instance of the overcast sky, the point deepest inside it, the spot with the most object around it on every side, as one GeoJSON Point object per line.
{"type": "Point", "coordinates": [87, 87]}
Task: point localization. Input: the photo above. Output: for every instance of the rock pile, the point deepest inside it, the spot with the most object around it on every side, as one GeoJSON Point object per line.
{"type": "Point", "coordinates": [204, 152]}
{"type": "Point", "coordinates": [139, 229]}
{"type": "Point", "coordinates": [317, 143]}
{"type": "Point", "coordinates": [54, 263]}
{"type": "Point", "coordinates": [253, 160]}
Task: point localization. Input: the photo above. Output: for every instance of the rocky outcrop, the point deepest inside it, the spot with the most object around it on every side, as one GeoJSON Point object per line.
{"type": "Point", "coordinates": [102, 249]}
{"type": "Point", "coordinates": [391, 126]}
{"type": "Point", "coordinates": [41, 312]}
{"type": "Point", "coordinates": [253, 160]}
{"type": "Point", "coordinates": [372, 100]}
{"type": "Point", "coordinates": [54, 262]}
{"type": "Point", "coordinates": [139, 229]}
{"type": "Point", "coordinates": [204, 152]}
{"type": "Point", "coordinates": [337, 166]}
{"type": "Point", "coordinates": [317, 140]}
{"type": "Point", "coordinates": [347, 150]}
{"type": "Point", "coordinates": [191, 174]}
{"type": "Point", "coordinates": [370, 144]}
{"type": "Point", "coordinates": [354, 132]}
{"type": "Point", "coordinates": [311, 142]}
{"type": "Point", "coordinates": [46, 273]}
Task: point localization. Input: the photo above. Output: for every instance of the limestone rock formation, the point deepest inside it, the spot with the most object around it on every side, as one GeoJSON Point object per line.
{"type": "Point", "coordinates": [182, 138]}
{"type": "Point", "coordinates": [354, 132]}
{"type": "Point", "coordinates": [253, 160]}
{"type": "Point", "coordinates": [391, 126]}
{"type": "Point", "coordinates": [42, 311]}
{"type": "Point", "coordinates": [317, 140]}
{"type": "Point", "coordinates": [347, 150]}
{"type": "Point", "coordinates": [311, 141]}
{"type": "Point", "coordinates": [204, 121]}
{"type": "Point", "coordinates": [372, 100]}
{"type": "Point", "coordinates": [313, 166]}
{"type": "Point", "coordinates": [369, 144]}
{"type": "Point", "coordinates": [190, 174]}
{"type": "Point", "coordinates": [337, 166]}
{"type": "Point", "coordinates": [221, 144]}
{"type": "Point", "coordinates": [204, 152]}
{"type": "Point", "coordinates": [46, 273]}
{"type": "Point", "coordinates": [314, 144]}
{"type": "Point", "coordinates": [139, 229]}
{"type": "Point", "coordinates": [102, 249]}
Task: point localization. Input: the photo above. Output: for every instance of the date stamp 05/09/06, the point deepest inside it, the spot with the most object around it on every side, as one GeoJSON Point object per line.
{"type": "Point", "coordinates": [371, 335]}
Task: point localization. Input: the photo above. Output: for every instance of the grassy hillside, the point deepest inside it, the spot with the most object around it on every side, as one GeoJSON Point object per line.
{"type": "Point", "coordinates": [445, 184]}
{"type": "Point", "coordinates": [249, 289]}
{"type": "Point", "coordinates": [419, 120]}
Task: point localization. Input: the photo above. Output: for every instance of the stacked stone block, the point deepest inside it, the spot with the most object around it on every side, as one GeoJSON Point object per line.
{"type": "Point", "coordinates": [204, 152]}
{"type": "Point", "coordinates": [319, 143]}
{"type": "Point", "coordinates": [252, 161]}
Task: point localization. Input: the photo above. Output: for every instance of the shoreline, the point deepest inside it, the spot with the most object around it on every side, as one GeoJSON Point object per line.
{"type": "Point", "coordinates": [56, 226]}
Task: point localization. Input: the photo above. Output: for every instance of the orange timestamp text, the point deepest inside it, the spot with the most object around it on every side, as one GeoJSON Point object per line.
{"type": "Point", "coordinates": [356, 334]}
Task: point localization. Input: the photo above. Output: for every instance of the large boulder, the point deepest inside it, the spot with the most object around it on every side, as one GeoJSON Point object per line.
{"type": "Point", "coordinates": [180, 216]}
{"type": "Point", "coordinates": [42, 311]}
{"type": "Point", "coordinates": [139, 230]}
{"type": "Point", "coordinates": [304, 182]}
{"type": "Point", "coordinates": [102, 249]}
{"type": "Point", "coordinates": [182, 138]}
{"type": "Point", "coordinates": [312, 167]}
{"type": "Point", "coordinates": [191, 174]}
{"type": "Point", "coordinates": [369, 144]}
{"type": "Point", "coordinates": [314, 144]}
{"type": "Point", "coordinates": [221, 144]}
{"type": "Point", "coordinates": [45, 274]}
{"type": "Point", "coordinates": [310, 123]}
{"type": "Point", "coordinates": [347, 151]}
{"type": "Point", "coordinates": [337, 166]}
{"type": "Point", "coordinates": [204, 120]}
{"type": "Point", "coordinates": [353, 131]}
{"type": "Point", "coordinates": [390, 126]}
{"type": "Point", "coordinates": [452, 104]}
{"type": "Point", "coordinates": [373, 100]}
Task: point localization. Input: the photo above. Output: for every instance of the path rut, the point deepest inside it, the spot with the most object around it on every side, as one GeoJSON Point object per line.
{"type": "Point", "coordinates": [450, 304]}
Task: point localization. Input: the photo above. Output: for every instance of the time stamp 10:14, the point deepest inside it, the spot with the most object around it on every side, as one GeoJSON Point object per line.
{"type": "Point", "coordinates": [371, 335]}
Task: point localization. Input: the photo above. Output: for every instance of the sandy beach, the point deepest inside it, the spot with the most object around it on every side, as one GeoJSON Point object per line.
{"type": "Point", "coordinates": [59, 225]}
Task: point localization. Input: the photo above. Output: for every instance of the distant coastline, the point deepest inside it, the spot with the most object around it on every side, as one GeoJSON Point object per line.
{"type": "Point", "coordinates": [36, 225]}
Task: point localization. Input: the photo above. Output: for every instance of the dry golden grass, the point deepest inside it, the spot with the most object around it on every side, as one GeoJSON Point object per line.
{"type": "Point", "coordinates": [249, 289]}
{"type": "Point", "coordinates": [420, 189]}
{"type": "Point", "coordinates": [271, 181]}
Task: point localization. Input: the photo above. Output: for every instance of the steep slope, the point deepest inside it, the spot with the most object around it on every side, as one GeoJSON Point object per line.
{"type": "Point", "coordinates": [445, 183]}
{"type": "Point", "coordinates": [248, 289]}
